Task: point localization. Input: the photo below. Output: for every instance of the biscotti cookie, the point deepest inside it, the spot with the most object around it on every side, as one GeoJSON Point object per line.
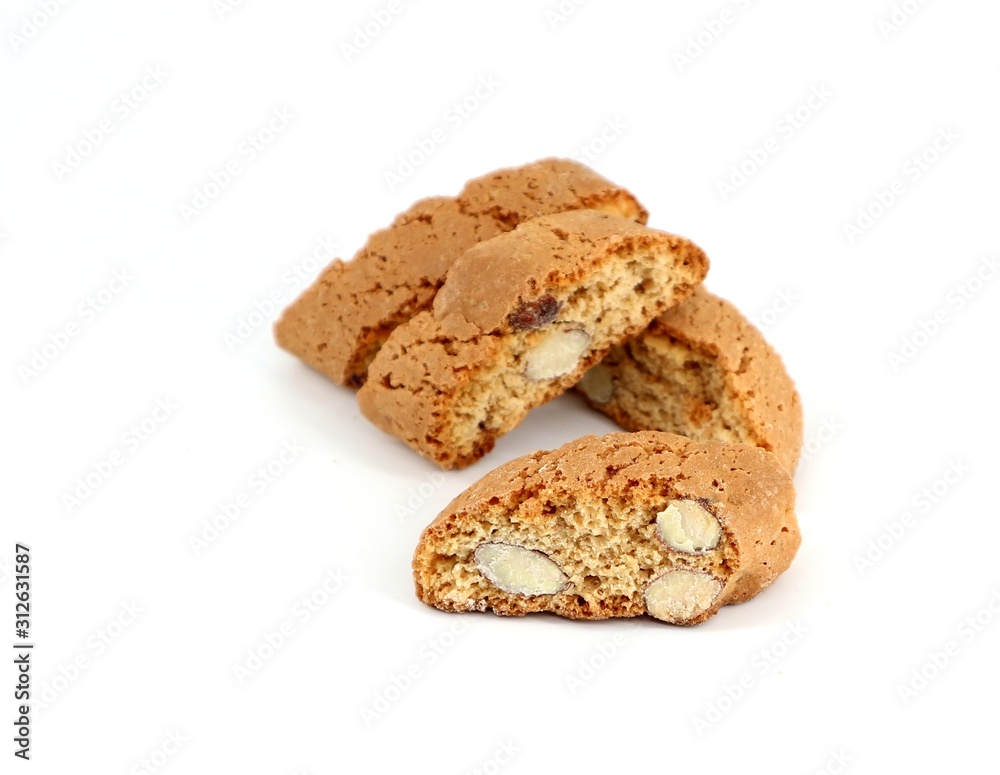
{"type": "Point", "coordinates": [517, 322]}
{"type": "Point", "coordinates": [340, 322]}
{"type": "Point", "coordinates": [620, 525]}
{"type": "Point", "coordinates": [702, 370]}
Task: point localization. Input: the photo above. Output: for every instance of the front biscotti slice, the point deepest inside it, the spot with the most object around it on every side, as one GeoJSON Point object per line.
{"type": "Point", "coordinates": [517, 322]}
{"type": "Point", "coordinates": [701, 370]}
{"type": "Point", "coordinates": [339, 323]}
{"type": "Point", "coordinates": [620, 525]}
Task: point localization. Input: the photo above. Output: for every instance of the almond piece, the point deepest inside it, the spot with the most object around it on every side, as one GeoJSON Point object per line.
{"type": "Point", "coordinates": [520, 571]}
{"type": "Point", "coordinates": [597, 384]}
{"type": "Point", "coordinates": [687, 526]}
{"type": "Point", "coordinates": [678, 596]}
{"type": "Point", "coordinates": [556, 353]}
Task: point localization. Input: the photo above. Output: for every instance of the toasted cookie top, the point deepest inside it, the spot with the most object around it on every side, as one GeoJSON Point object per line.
{"type": "Point", "coordinates": [501, 282]}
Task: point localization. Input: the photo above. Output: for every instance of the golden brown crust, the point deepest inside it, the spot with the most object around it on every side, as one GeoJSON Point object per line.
{"type": "Point", "coordinates": [422, 366]}
{"type": "Point", "coordinates": [340, 322]}
{"type": "Point", "coordinates": [488, 282]}
{"type": "Point", "coordinates": [590, 506]}
{"type": "Point", "coordinates": [451, 381]}
{"type": "Point", "coordinates": [736, 388]}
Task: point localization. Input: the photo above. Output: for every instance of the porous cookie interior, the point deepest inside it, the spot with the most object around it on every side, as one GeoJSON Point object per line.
{"type": "Point", "coordinates": [616, 301]}
{"type": "Point", "coordinates": [609, 550]}
{"type": "Point", "coordinates": [658, 382]}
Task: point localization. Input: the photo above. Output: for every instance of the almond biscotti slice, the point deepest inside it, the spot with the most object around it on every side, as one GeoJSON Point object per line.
{"type": "Point", "coordinates": [702, 370]}
{"type": "Point", "coordinates": [620, 525]}
{"type": "Point", "coordinates": [340, 322]}
{"type": "Point", "coordinates": [517, 322]}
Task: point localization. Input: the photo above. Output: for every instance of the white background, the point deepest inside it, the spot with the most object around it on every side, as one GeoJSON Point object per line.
{"type": "Point", "coordinates": [822, 656]}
